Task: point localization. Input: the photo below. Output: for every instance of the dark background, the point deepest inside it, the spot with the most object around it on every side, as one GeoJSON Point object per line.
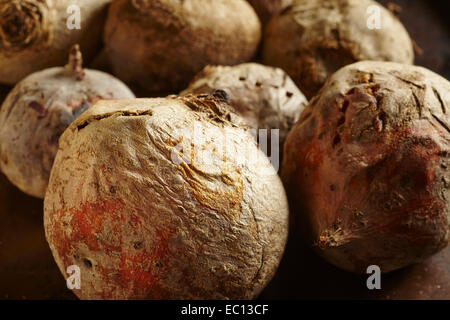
{"type": "Point", "coordinates": [304, 275]}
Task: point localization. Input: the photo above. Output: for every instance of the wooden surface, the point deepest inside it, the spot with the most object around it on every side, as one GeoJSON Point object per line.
{"type": "Point", "coordinates": [27, 268]}
{"type": "Point", "coordinates": [4, 90]}
{"type": "Point", "coordinates": [304, 275]}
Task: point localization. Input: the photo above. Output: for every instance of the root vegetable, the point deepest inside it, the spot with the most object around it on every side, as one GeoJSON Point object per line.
{"type": "Point", "coordinates": [100, 62]}
{"type": "Point", "coordinates": [265, 97]}
{"type": "Point", "coordinates": [159, 46]}
{"type": "Point", "coordinates": [39, 109]}
{"type": "Point", "coordinates": [27, 268]}
{"type": "Point", "coordinates": [311, 40]}
{"type": "Point", "coordinates": [366, 166]}
{"type": "Point", "coordinates": [4, 90]}
{"type": "Point", "coordinates": [266, 9]}
{"type": "Point", "coordinates": [317, 279]}
{"type": "Point", "coordinates": [34, 34]}
{"type": "Point", "coordinates": [145, 218]}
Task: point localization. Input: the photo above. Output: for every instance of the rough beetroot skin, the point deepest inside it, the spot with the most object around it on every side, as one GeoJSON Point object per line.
{"type": "Point", "coordinates": [159, 46]}
{"type": "Point", "coordinates": [39, 109]}
{"type": "Point", "coordinates": [142, 225]}
{"type": "Point", "coordinates": [366, 166]}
